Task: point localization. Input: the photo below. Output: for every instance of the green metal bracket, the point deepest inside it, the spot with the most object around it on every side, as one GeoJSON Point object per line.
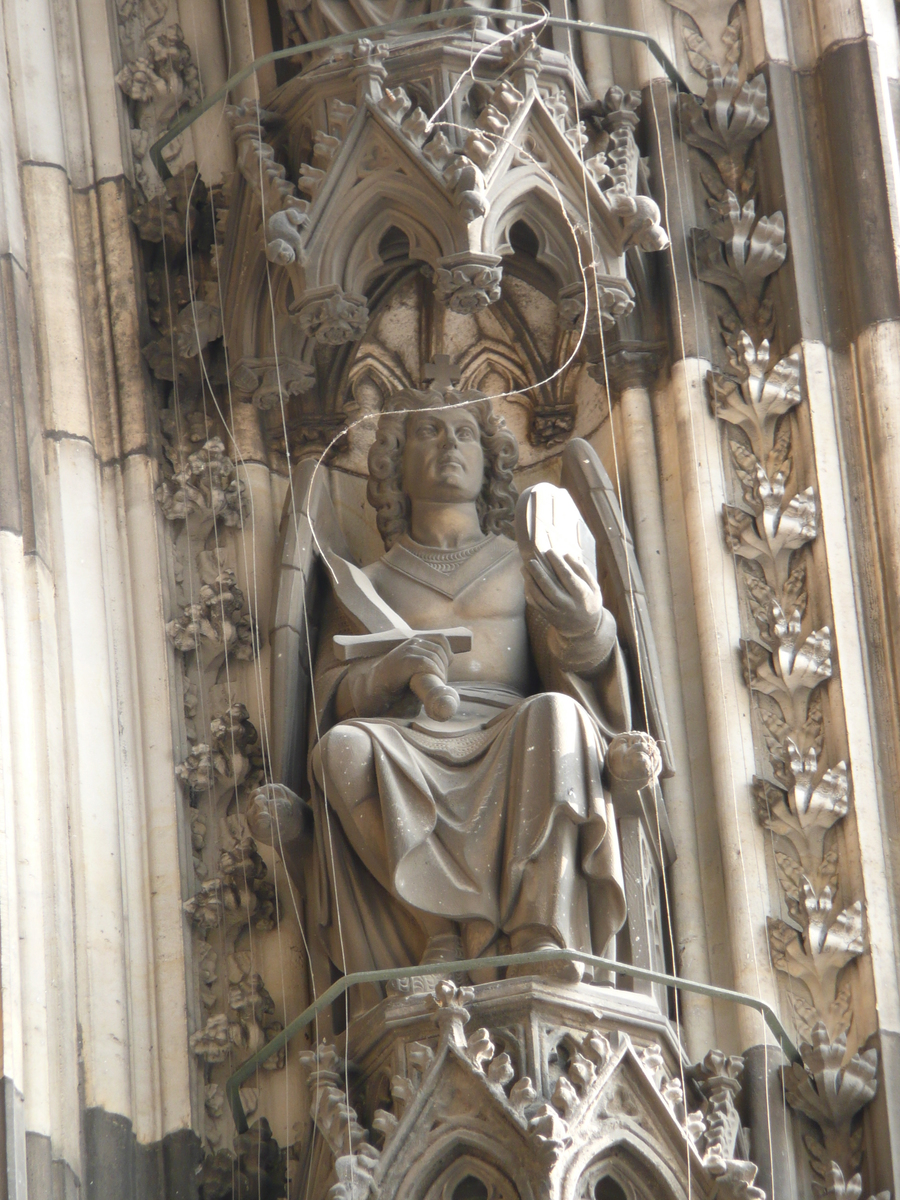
{"type": "Point", "coordinates": [233, 1086]}
{"type": "Point", "coordinates": [375, 31]}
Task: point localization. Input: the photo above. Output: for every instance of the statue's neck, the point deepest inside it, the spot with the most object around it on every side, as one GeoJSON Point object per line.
{"type": "Point", "coordinates": [444, 525]}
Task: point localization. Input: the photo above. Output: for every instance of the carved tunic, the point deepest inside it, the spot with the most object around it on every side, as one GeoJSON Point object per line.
{"type": "Point", "coordinates": [497, 818]}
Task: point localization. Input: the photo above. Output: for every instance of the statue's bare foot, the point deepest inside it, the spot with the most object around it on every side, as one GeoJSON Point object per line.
{"type": "Point", "coordinates": [559, 970]}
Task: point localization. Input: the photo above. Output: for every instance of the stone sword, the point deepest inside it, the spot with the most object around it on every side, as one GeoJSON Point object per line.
{"type": "Point", "coordinates": [387, 630]}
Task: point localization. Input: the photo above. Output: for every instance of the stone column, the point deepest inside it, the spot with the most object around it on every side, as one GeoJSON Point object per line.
{"type": "Point", "coordinates": [631, 371]}
{"type": "Point", "coordinates": [94, 998]}
{"type": "Point", "coordinates": [690, 428]}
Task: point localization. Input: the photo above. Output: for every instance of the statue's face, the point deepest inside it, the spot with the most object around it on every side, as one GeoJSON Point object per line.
{"type": "Point", "coordinates": [443, 460]}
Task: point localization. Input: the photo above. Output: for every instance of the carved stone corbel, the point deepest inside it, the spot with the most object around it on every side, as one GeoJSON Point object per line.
{"type": "Point", "coordinates": [468, 282]}
{"type": "Point", "coordinates": [331, 316]}
{"type": "Point", "coordinates": [608, 298]}
{"type": "Point", "coordinates": [264, 382]}
{"type": "Point", "coordinates": [552, 426]}
{"type": "Point", "coordinates": [628, 365]}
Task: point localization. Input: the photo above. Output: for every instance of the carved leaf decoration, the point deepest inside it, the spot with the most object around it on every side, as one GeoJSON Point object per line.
{"type": "Point", "coordinates": [750, 251]}
{"type": "Point", "coordinates": [841, 1010]}
{"type": "Point", "coordinates": [779, 459]}
{"type": "Point", "coordinates": [755, 660]}
{"type": "Point", "coordinates": [828, 872]}
{"type": "Point", "coordinates": [761, 598]}
{"type": "Point", "coordinates": [712, 181]}
{"type": "Point", "coordinates": [794, 669]}
{"type": "Point", "coordinates": [820, 1161]}
{"type": "Point", "coordinates": [797, 523]}
{"type": "Point", "coordinates": [480, 1048]}
{"type": "Point", "coordinates": [790, 876]}
{"type": "Point", "coordinates": [804, 1012]}
{"type": "Point", "coordinates": [565, 1098]}
{"type": "Point", "coordinates": [805, 667]}
{"type": "Point", "coordinates": [776, 391]}
{"type": "Point", "coordinates": [547, 1126]}
{"type": "Point", "coordinates": [724, 126]}
{"type": "Point", "coordinates": [581, 1070]}
{"type": "Point", "coordinates": [501, 1070]}
{"type": "Point", "coordinates": [794, 591]}
{"type": "Point", "coordinates": [198, 324]}
{"type": "Point", "coordinates": [762, 253]}
{"type": "Point", "coordinates": [711, 266]}
{"type": "Point", "coordinates": [843, 939]}
{"type": "Point", "coordinates": [774, 724]}
{"type": "Point", "coordinates": [758, 397]}
{"type": "Point", "coordinates": [699, 52]}
{"type": "Point", "coordinates": [737, 523]}
{"type": "Point", "coordinates": [834, 1186]}
{"type": "Point", "coordinates": [726, 398]}
{"type": "Point", "coordinates": [386, 1124]}
{"type": "Point", "coordinates": [747, 469]}
{"type": "Point", "coordinates": [772, 810]}
{"type": "Point", "coordinates": [812, 810]}
{"type": "Point", "coordinates": [402, 1091]}
{"type": "Point", "coordinates": [825, 950]}
{"type": "Point", "coordinates": [420, 1056]}
{"type": "Point", "coordinates": [825, 1091]}
{"type": "Point", "coordinates": [829, 801]}
{"type": "Point", "coordinates": [733, 41]}
{"type": "Point", "coordinates": [814, 725]}
{"type": "Point", "coordinates": [522, 1093]}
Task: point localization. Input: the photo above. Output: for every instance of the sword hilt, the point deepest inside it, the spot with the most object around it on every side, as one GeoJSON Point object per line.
{"type": "Point", "coordinates": [440, 699]}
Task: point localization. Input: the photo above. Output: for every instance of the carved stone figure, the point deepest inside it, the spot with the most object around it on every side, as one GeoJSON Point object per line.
{"type": "Point", "coordinates": [457, 798]}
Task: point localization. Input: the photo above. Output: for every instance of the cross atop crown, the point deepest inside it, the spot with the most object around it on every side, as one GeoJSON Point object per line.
{"type": "Point", "coordinates": [441, 373]}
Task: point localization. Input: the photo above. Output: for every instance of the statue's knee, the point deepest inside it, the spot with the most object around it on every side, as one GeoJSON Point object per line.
{"type": "Point", "coordinates": [344, 764]}
{"type": "Point", "coordinates": [551, 707]}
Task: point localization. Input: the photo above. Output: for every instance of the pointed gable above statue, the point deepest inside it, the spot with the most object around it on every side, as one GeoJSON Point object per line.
{"type": "Point", "coordinates": [408, 140]}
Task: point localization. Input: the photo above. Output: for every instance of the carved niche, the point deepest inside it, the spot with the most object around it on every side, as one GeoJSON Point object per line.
{"type": "Point", "coordinates": [388, 207]}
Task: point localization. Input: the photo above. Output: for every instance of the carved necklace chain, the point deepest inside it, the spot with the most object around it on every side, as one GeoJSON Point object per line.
{"type": "Point", "coordinates": [441, 559]}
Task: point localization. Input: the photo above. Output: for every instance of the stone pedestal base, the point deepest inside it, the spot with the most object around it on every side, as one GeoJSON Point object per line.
{"type": "Point", "coordinates": [521, 1089]}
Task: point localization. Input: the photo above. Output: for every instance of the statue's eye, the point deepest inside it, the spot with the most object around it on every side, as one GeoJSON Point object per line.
{"type": "Point", "coordinates": [465, 433]}
{"type": "Point", "coordinates": [427, 431]}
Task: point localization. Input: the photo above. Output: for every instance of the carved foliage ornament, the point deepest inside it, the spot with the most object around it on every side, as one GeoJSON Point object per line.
{"type": "Point", "coordinates": [212, 634]}
{"type": "Point", "coordinates": [159, 78]}
{"type": "Point", "coordinates": [738, 252]}
{"type": "Point", "coordinates": [787, 660]}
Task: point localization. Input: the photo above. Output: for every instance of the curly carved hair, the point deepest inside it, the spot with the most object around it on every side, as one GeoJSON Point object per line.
{"type": "Point", "coordinates": [497, 503]}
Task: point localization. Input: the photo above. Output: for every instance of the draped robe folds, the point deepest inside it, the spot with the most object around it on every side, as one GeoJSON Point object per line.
{"type": "Point", "coordinates": [496, 819]}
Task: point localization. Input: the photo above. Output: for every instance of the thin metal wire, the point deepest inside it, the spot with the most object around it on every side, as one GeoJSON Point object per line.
{"type": "Point", "coordinates": [376, 31]}
{"type": "Point", "coordinates": [559, 954]}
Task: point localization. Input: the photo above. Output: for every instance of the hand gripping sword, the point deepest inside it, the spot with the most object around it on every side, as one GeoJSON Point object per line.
{"type": "Point", "coordinates": [387, 629]}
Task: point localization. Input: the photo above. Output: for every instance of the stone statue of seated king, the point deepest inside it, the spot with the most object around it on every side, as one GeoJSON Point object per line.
{"type": "Point", "coordinates": [458, 798]}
